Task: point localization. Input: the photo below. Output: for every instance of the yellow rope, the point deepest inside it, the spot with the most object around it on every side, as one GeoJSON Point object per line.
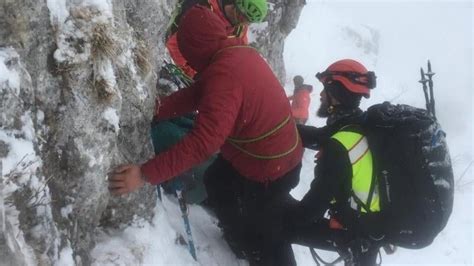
{"type": "Point", "coordinates": [269, 157]}
{"type": "Point", "coordinates": [282, 124]}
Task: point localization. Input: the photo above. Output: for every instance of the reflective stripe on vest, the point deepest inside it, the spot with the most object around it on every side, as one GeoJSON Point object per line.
{"type": "Point", "coordinates": [360, 157]}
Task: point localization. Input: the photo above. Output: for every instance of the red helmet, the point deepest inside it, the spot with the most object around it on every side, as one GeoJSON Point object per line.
{"type": "Point", "coordinates": [352, 74]}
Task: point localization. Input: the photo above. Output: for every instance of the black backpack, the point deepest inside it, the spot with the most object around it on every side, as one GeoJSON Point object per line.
{"type": "Point", "coordinates": [414, 173]}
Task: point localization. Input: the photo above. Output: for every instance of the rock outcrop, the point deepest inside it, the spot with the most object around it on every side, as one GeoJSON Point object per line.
{"type": "Point", "coordinates": [269, 36]}
{"type": "Point", "coordinates": [77, 90]}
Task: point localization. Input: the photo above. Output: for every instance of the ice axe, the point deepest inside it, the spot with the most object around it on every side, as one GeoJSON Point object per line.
{"type": "Point", "coordinates": [179, 189]}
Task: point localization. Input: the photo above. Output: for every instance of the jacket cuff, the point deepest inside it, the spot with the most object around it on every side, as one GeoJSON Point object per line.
{"type": "Point", "coordinates": [149, 170]}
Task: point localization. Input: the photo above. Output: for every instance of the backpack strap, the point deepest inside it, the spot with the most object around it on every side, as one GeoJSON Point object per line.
{"type": "Point", "coordinates": [373, 184]}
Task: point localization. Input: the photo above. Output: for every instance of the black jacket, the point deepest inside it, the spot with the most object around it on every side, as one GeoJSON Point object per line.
{"type": "Point", "coordinates": [333, 180]}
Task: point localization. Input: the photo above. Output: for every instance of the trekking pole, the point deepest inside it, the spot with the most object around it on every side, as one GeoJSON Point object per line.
{"type": "Point", "coordinates": [184, 215]}
{"type": "Point", "coordinates": [423, 81]}
{"type": "Point", "coordinates": [430, 74]}
{"type": "Point", "coordinates": [158, 191]}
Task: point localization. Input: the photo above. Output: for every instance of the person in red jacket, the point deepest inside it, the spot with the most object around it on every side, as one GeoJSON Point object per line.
{"type": "Point", "coordinates": [300, 100]}
{"type": "Point", "coordinates": [243, 112]}
{"type": "Point", "coordinates": [236, 14]}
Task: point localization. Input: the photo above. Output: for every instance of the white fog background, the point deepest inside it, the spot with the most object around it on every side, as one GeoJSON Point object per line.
{"type": "Point", "coordinates": [395, 39]}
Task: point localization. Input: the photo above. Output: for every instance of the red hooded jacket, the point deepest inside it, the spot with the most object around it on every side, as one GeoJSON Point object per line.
{"type": "Point", "coordinates": [237, 95]}
{"type": "Point", "coordinates": [300, 101]}
{"type": "Point", "coordinates": [172, 41]}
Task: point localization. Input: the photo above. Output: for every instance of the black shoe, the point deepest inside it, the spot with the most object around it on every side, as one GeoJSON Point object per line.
{"type": "Point", "coordinates": [235, 246]}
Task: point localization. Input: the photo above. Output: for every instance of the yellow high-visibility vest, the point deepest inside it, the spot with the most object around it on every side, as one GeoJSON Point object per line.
{"type": "Point", "coordinates": [360, 157]}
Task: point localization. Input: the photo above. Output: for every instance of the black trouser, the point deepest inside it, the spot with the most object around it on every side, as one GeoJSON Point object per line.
{"type": "Point", "coordinates": [319, 235]}
{"type": "Point", "coordinates": [251, 213]}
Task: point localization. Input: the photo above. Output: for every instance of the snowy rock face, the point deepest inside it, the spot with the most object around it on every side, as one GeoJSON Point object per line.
{"type": "Point", "coordinates": [77, 90]}
{"type": "Point", "coordinates": [20, 190]}
{"type": "Point", "coordinates": [269, 36]}
{"type": "Point", "coordinates": [77, 95]}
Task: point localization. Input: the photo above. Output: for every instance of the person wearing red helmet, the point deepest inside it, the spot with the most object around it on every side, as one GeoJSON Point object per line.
{"type": "Point", "coordinates": [242, 112]}
{"type": "Point", "coordinates": [300, 100]}
{"type": "Point", "coordinates": [343, 181]}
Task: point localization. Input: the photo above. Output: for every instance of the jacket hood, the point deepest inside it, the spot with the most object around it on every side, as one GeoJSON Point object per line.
{"type": "Point", "coordinates": [201, 34]}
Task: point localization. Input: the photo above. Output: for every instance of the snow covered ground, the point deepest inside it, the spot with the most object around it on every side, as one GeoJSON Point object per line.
{"type": "Point", "coordinates": [392, 38]}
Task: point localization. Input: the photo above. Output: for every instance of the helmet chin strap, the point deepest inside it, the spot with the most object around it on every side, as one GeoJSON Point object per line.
{"type": "Point", "coordinates": [331, 106]}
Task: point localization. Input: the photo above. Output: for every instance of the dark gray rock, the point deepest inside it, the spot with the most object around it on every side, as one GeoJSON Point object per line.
{"type": "Point", "coordinates": [4, 149]}
{"type": "Point", "coordinates": [269, 36]}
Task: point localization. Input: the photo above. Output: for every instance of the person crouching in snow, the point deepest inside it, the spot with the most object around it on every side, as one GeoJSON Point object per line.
{"type": "Point", "coordinates": [243, 112]}
{"type": "Point", "coordinates": [300, 100]}
{"type": "Point", "coordinates": [344, 182]}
